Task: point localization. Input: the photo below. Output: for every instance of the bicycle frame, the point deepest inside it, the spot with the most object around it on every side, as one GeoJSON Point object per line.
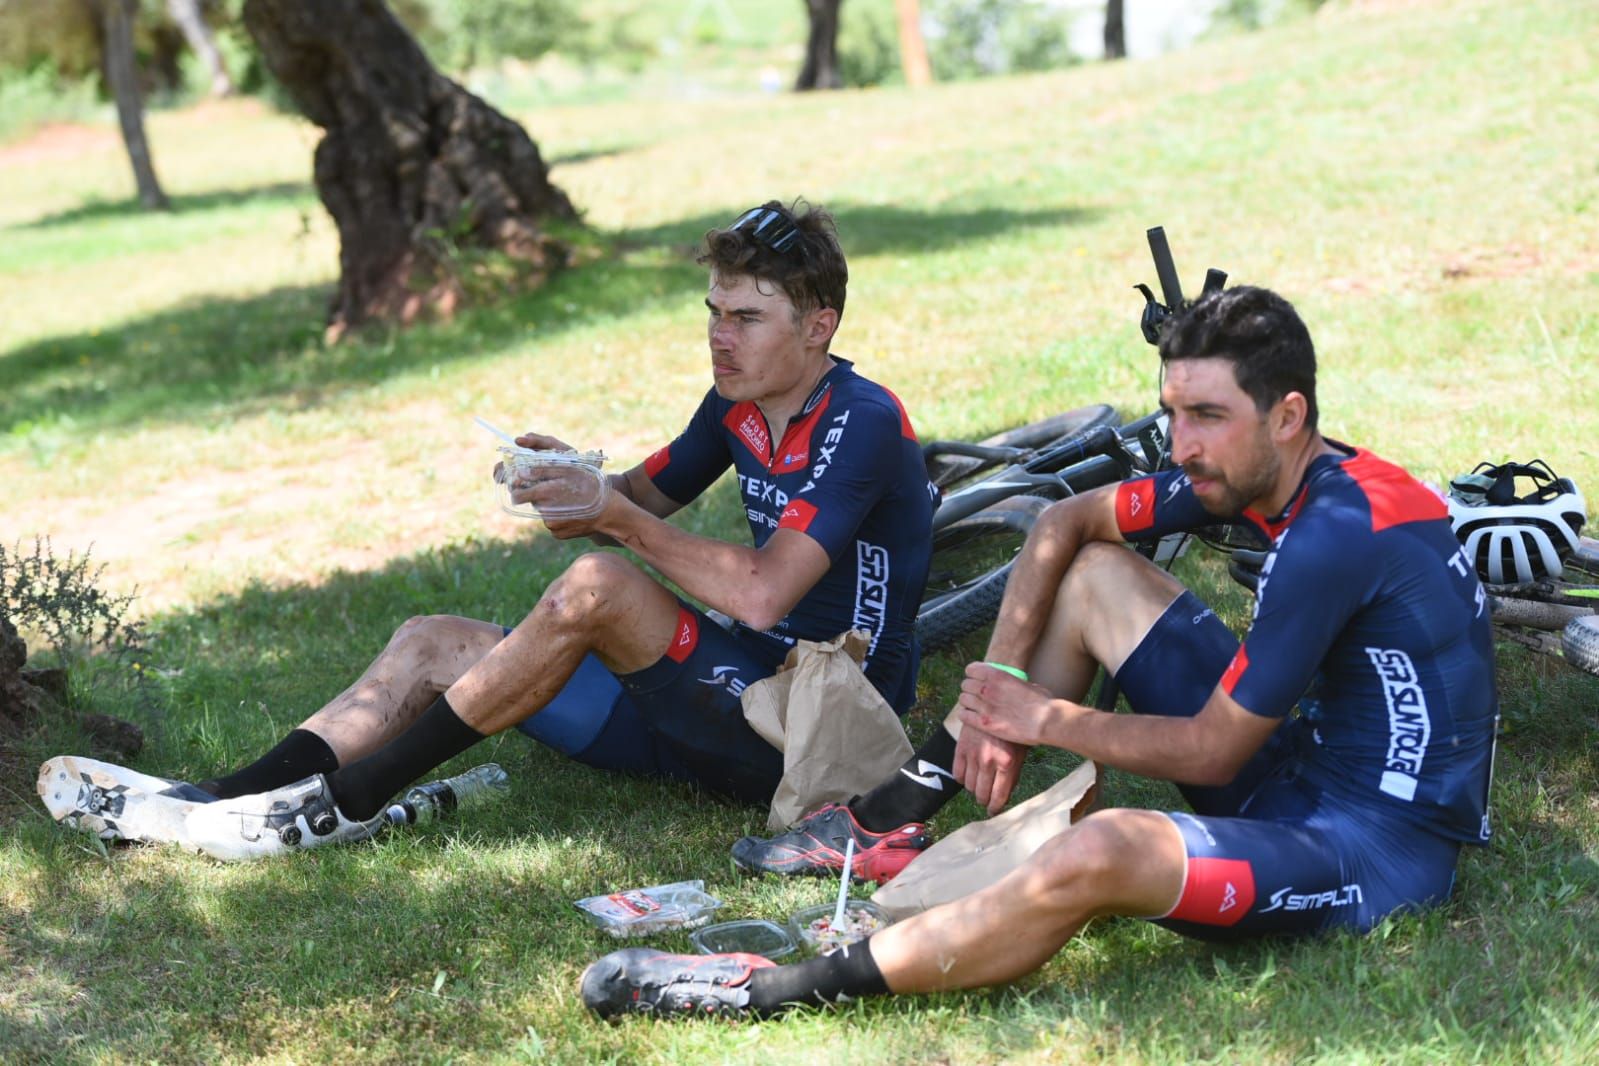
{"type": "Point", "coordinates": [1101, 456]}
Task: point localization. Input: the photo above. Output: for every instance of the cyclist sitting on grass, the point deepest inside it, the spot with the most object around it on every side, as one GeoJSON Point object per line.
{"type": "Point", "coordinates": [611, 667]}
{"type": "Point", "coordinates": [1369, 618]}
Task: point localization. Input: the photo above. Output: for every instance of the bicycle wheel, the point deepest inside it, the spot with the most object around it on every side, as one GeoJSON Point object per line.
{"type": "Point", "coordinates": [971, 564]}
{"type": "Point", "coordinates": [945, 470]}
{"type": "Point", "coordinates": [1579, 642]}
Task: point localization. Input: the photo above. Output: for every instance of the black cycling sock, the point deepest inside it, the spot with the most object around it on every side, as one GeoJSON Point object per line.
{"type": "Point", "coordinates": [849, 972]}
{"type": "Point", "coordinates": [362, 788]}
{"type": "Point", "coordinates": [916, 792]}
{"type": "Point", "coordinates": [296, 757]}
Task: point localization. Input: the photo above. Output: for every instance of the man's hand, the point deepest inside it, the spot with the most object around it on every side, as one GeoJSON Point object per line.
{"type": "Point", "coordinates": [541, 443]}
{"type": "Point", "coordinates": [562, 488]}
{"type": "Point", "coordinates": [537, 442]}
{"type": "Point", "coordinates": [1006, 707]}
{"type": "Point", "coordinates": [987, 767]}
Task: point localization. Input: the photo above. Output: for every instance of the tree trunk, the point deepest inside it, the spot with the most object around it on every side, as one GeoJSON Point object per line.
{"type": "Point", "coordinates": [186, 13]}
{"type": "Point", "coordinates": [1115, 31]}
{"type": "Point", "coordinates": [123, 77]}
{"type": "Point", "coordinates": [821, 49]}
{"type": "Point", "coordinates": [413, 168]}
{"type": "Point", "coordinates": [20, 699]}
{"type": "Point", "coordinates": [912, 45]}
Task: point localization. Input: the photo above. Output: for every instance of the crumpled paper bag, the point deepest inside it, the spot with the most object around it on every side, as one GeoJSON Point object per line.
{"type": "Point", "coordinates": [839, 737]}
{"type": "Point", "coordinates": [980, 853]}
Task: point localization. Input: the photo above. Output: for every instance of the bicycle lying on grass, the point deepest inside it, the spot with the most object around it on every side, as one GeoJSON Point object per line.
{"type": "Point", "coordinates": [995, 489]}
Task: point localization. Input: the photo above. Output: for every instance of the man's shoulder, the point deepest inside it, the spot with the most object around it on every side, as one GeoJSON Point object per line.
{"type": "Point", "coordinates": [856, 392]}
{"type": "Point", "coordinates": [1363, 492]}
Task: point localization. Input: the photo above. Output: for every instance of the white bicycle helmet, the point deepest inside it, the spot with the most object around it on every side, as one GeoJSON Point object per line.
{"type": "Point", "coordinates": [1513, 540]}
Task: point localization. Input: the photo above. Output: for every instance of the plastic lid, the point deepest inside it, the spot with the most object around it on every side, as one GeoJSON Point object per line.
{"type": "Point", "coordinates": [754, 935]}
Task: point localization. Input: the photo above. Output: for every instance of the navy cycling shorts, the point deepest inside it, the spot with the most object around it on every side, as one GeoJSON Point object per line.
{"type": "Point", "coordinates": [679, 718]}
{"type": "Point", "coordinates": [1270, 854]}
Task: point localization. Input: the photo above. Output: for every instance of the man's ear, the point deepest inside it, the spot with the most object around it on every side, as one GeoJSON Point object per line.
{"type": "Point", "coordinates": [1288, 417]}
{"type": "Point", "coordinates": [820, 325]}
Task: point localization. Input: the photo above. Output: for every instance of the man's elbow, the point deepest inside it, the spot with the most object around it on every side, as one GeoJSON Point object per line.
{"type": "Point", "coordinates": [762, 610]}
{"type": "Point", "coordinates": [763, 618]}
{"type": "Point", "coordinates": [1216, 770]}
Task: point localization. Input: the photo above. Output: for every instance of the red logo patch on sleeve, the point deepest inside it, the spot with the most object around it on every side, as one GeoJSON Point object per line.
{"type": "Point", "coordinates": [797, 515]}
{"type": "Point", "coordinates": [1135, 505]}
{"type": "Point", "coordinates": [1217, 892]}
{"type": "Point", "coordinates": [687, 637]}
{"type": "Point", "coordinates": [658, 461]}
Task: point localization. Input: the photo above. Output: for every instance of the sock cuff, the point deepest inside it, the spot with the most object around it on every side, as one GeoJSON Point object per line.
{"type": "Point", "coordinates": [451, 726]}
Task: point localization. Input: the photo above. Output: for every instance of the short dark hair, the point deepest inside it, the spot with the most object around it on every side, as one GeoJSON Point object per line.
{"type": "Point", "coordinates": [809, 267]}
{"type": "Point", "coordinates": [1256, 330]}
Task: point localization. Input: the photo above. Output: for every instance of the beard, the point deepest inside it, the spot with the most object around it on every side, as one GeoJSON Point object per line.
{"type": "Point", "coordinates": [1231, 494]}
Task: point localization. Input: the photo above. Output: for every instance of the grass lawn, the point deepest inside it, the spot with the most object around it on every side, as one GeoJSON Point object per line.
{"type": "Point", "coordinates": [1419, 176]}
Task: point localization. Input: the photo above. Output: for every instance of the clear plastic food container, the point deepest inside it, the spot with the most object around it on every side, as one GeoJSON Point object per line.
{"type": "Point", "coordinates": [563, 484]}
{"type": "Point", "coordinates": [813, 926]}
{"type": "Point", "coordinates": [656, 909]}
{"type": "Point", "coordinates": [757, 936]}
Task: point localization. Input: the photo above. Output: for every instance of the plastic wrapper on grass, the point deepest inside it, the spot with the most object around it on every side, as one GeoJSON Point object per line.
{"type": "Point", "coordinates": [656, 909]}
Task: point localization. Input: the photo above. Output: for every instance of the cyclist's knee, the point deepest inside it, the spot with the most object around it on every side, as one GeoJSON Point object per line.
{"type": "Point", "coordinates": [1096, 856]}
{"type": "Point", "coordinates": [1106, 576]}
{"type": "Point", "coordinates": [592, 590]}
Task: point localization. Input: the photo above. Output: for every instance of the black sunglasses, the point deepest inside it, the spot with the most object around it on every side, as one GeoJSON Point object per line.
{"type": "Point", "coordinates": [769, 227]}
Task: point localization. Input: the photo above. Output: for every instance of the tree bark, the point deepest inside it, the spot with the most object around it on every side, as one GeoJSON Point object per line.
{"type": "Point", "coordinates": [20, 699]}
{"type": "Point", "coordinates": [1115, 30]}
{"type": "Point", "coordinates": [186, 13]}
{"type": "Point", "coordinates": [821, 48]}
{"type": "Point", "coordinates": [912, 45]}
{"type": "Point", "coordinates": [413, 168]}
{"type": "Point", "coordinates": [122, 75]}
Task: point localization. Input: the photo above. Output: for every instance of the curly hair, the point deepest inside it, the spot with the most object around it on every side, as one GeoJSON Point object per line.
{"type": "Point", "coordinates": [810, 270]}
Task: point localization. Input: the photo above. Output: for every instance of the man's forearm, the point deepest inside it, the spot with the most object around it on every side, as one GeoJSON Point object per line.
{"type": "Point", "coordinates": [1172, 749]}
{"type": "Point", "coordinates": [724, 576]}
{"type": "Point", "coordinates": [619, 485]}
{"type": "Point", "coordinates": [1033, 584]}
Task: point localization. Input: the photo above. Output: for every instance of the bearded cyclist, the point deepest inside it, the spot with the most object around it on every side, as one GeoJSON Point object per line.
{"type": "Point", "coordinates": [1335, 761]}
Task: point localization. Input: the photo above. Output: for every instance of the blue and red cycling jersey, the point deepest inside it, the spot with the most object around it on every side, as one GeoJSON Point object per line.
{"type": "Point", "coordinates": [848, 472]}
{"type": "Point", "coordinates": [1370, 618]}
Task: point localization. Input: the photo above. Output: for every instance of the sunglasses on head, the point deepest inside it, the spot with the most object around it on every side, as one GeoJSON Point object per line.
{"type": "Point", "coordinates": [770, 228]}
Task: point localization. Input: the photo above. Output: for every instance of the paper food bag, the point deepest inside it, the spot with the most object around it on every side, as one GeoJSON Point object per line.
{"type": "Point", "coordinates": [976, 855]}
{"type": "Point", "coordinates": [839, 737]}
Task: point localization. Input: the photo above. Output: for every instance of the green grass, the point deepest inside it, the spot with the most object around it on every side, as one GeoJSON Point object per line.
{"type": "Point", "coordinates": [1417, 177]}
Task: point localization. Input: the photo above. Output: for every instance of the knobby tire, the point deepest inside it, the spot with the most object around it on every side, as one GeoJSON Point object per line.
{"type": "Point", "coordinates": [972, 562]}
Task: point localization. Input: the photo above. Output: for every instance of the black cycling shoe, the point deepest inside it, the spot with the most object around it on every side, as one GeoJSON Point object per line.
{"type": "Point", "coordinates": [815, 845]}
{"type": "Point", "coordinates": [645, 981]}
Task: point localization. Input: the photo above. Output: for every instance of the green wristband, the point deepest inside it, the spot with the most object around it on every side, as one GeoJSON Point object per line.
{"type": "Point", "coordinates": [1011, 670]}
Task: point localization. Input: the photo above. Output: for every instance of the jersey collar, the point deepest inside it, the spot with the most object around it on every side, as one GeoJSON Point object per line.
{"type": "Point", "coordinates": [1273, 525]}
{"type": "Point", "coordinates": [823, 385]}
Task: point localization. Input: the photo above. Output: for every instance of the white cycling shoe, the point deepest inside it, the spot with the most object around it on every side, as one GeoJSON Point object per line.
{"type": "Point", "coordinates": [114, 802]}
{"type": "Point", "coordinates": [292, 818]}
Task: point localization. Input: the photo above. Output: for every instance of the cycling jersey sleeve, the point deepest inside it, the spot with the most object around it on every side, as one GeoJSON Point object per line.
{"type": "Point", "coordinates": [1148, 508]}
{"type": "Point", "coordinates": [1309, 589]}
{"type": "Point", "coordinates": [687, 467]}
{"type": "Point", "coordinates": [855, 460]}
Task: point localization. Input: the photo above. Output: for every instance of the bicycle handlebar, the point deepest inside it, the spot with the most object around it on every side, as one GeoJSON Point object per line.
{"type": "Point", "coordinates": [1165, 268]}
{"type": "Point", "coordinates": [1156, 314]}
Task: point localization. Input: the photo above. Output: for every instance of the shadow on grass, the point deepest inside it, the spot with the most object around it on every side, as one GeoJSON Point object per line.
{"type": "Point", "coordinates": [106, 210]}
{"type": "Point", "coordinates": [211, 357]}
{"type": "Point", "coordinates": [159, 955]}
